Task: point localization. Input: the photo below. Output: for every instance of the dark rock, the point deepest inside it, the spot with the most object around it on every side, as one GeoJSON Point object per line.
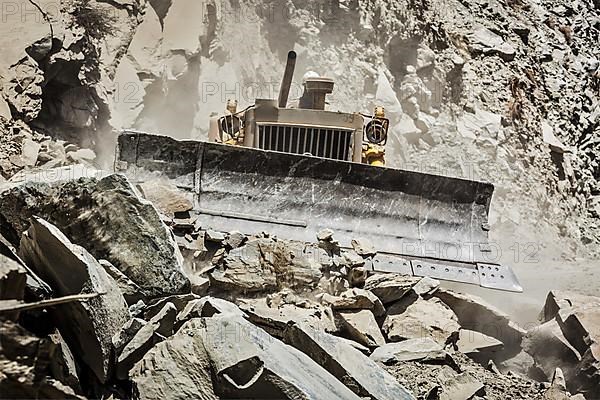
{"type": "Point", "coordinates": [109, 220]}
{"type": "Point", "coordinates": [87, 326]}
{"type": "Point", "coordinates": [22, 358]}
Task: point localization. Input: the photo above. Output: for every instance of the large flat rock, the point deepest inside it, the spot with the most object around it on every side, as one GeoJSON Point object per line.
{"type": "Point", "coordinates": [346, 363]}
{"type": "Point", "coordinates": [249, 363]}
{"type": "Point", "coordinates": [475, 314]}
{"type": "Point", "coordinates": [88, 327]}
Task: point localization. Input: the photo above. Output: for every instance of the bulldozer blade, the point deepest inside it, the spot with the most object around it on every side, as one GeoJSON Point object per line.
{"type": "Point", "coordinates": [420, 224]}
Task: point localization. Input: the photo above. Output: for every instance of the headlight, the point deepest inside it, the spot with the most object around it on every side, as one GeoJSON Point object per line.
{"type": "Point", "coordinates": [376, 129]}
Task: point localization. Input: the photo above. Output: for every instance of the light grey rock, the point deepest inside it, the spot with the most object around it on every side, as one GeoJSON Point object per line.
{"type": "Point", "coordinates": [426, 286]}
{"type": "Point", "coordinates": [478, 346]}
{"type": "Point", "coordinates": [475, 314]}
{"type": "Point", "coordinates": [550, 349]}
{"type": "Point", "coordinates": [363, 247]}
{"type": "Point", "coordinates": [361, 327]}
{"type": "Point", "coordinates": [235, 239]}
{"type": "Point", "coordinates": [275, 320]}
{"type": "Point", "coordinates": [363, 375]}
{"type": "Point", "coordinates": [390, 287]}
{"type": "Point", "coordinates": [178, 368]}
{"type": "Point", "coordinates": [250, 363]}
{"type": "Point", "coordinates": [108, 218]}
{"type": "Point", "coordinates": [461, 387]}
{"type": "Point", "coordinates": [558, 388]}
{"type": "Point", "coordinates": [214, 236]}
{"type": "Point", "coordinates": [178, 300]}
{"type": "Point", "coordinates": [355, 299]}
{"type": "Point", "coordinates": [409, 350]}
{"type": "Point", "coordinates": [325, 235]}
{"type": "Point", "coordinates": [165, 196]}
{"type": "Point", "coordinates": [352, 258]}
{"type": "Point", "coordinates": [419, 319]}
{"type": "Point", "coordinates": [578, 317]}
{"type": "Point", "coordinates": [207, 307]}
{"type": "Point", "coordinates": [245, 270]}
{"type": "Point", "coordinates": [29, 152]}
{"type": "Point", "coordinates": [87, 326]}
{"type": "Point", "coordinates": [482, 40]}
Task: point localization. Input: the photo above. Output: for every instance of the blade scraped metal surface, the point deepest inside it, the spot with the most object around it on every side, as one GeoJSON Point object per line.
{"type": "Point", "coordinates": [438, 223]}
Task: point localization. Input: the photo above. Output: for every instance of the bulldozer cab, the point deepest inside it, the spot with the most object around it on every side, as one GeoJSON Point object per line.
{"type": "Point", "coordinates": [295, 171]}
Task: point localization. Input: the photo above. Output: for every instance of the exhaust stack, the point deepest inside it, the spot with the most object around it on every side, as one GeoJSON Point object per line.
{"type": "Point", "coordinates": [286, 83]}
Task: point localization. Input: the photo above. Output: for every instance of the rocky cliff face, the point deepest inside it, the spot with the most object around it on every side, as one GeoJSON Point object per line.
{"type": "Point", "coordinates": [504, 91]}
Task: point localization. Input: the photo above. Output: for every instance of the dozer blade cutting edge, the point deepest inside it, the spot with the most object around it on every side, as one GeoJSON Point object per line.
{"type": "Point", "coordinates": [420, 224]}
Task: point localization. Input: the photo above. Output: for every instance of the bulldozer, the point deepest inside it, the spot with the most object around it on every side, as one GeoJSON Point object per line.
{"type": "Point", "coordinates": [295, 171]}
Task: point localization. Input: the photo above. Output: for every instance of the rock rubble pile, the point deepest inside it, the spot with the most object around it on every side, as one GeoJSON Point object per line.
{"type": "Point", "coordinates": [106, 294]}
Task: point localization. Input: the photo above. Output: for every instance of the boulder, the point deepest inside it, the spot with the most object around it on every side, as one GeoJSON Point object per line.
{"type": "Point", "coordinates": [421, 318]}
{"type": "Point", "coordinates": [178, 368]}
{"type": "Point", "coordinates": [475, 314]}
{"type": "Point", "coordinates": [127, 332]}
{"type": "Point", "coordinates": [550, 349]}
{"type": "Point", "coordinates": [106, 217]}
{"type": "Point", "coordinates": [578, 317]}
{"type": "Point", "coordinates": [245, 270]}
{"type": "Point", "coordinates": [390, 287]}
{"type": "Point", "coordinates": [207, 307]}
{"type": "Point", "coordinates": [180, 301]}
{"type": "Point", "coordinates": [482, 40]}
{"type": "Point", "coordinates": [165, 196]}
{"type": "Point", "coordinates": [361, 327]}
{"type": "Point", "coordinates": [249, 363]}
{"type": "Point", "coordinates": [363, 375]}
{"type": "Point", "coordinates": [235, 239]}
{"type": "Point", "coordinates": [10, 286]}
{"type": "Point", "coordinates": [264, 264]}
{"type": "Point", "coordinates": [87, 326]}
{"type": "Point", "coordinates": [63, 366]}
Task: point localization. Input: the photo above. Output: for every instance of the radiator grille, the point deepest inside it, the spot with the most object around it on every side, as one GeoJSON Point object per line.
{"type": "Point", "coordinates": [334, 143]}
